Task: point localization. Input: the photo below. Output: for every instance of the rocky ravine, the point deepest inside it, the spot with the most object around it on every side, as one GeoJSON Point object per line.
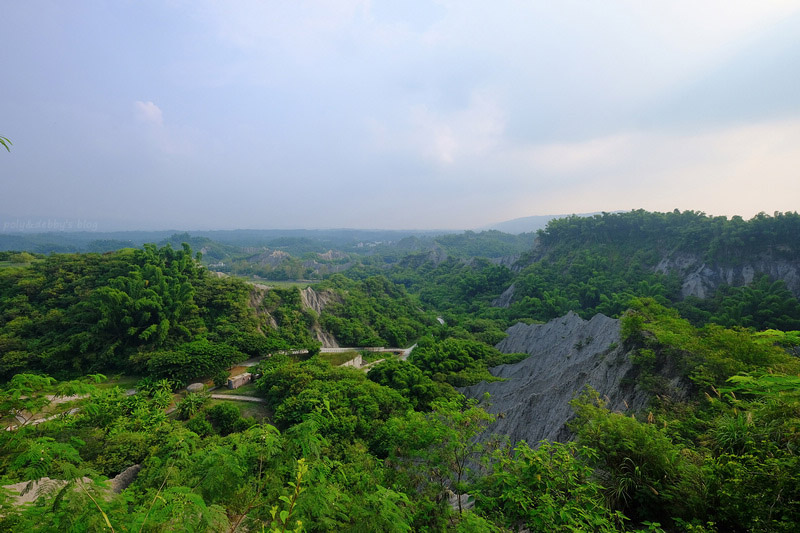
{"type": "Point", "coordinates": [566, 355]}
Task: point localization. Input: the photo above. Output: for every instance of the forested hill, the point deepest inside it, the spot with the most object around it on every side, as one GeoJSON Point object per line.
{"type": "Point", "coordinates": [145, 311]}
{"type": "Point", "coordinates": [715, 239]}
{"type": "Point", "coordinates": [596, 264]}
{"type": "Point", "coordinates": [158, 312]}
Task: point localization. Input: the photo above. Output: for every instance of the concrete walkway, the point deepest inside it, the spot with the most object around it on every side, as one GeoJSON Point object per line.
{"type": "Point", "coordinates": [234, 397]}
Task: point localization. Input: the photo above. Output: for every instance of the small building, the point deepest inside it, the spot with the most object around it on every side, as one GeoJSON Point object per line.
{"type": "Point", "coordinates": [237, 381]}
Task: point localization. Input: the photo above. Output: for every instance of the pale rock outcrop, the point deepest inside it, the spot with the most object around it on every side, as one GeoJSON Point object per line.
{"type": "Point", "coordinates": [273, 258]}
{"type": "Point", "coordinates": [332, 255]}
{"type": "Point", "coordinates": [317, 300]}
{"type": "Point", "coordinates": [30, 491]}
{"type": "Point", "coordinates": [702, 279]}
{"type": "Point", "coordinates": [326, 339]}
{"type": "Point", "coordinates": [507, 261]}
{"type": "Point", "coordinates": [258, 292]}
{"type": "Point", "coordinates": [121, 481]}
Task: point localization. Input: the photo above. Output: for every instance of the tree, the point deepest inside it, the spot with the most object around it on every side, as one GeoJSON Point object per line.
{"type": "Point", "coordinates": [6, 143]}
{"type": "Point", "coordinates": [645, 474]}
{"type": "Point", "coordinates": [409, 380]}
{"type": "Point", "coordinates": [438, 451]}
{"type": "Point", "coordinates": [550, 488]}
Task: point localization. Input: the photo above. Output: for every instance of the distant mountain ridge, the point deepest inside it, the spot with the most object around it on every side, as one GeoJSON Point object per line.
{"type": "Point", "coordinates": [529, 224]}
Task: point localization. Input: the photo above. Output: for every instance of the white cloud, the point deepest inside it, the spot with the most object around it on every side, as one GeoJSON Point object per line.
{"type": "Point", "coordinates": [593, 154]}
{"type": "Point", "coordinates": [472, 108]}
{"type": "Point", "coordinates": [171, 140]}
{"type": "Point", "coordinates": [254, 24]}
{"type": "Point", "coordinates": [445, 137]}
{"type": "Point", "coordinates": [149, 112]}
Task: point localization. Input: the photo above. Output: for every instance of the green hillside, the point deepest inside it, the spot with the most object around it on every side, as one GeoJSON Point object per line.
{"type": "Point", "coordinates": [395, 447]}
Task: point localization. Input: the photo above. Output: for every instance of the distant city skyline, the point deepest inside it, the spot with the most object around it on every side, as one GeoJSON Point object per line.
{"type": "Point", "coordinates": [165, 114]}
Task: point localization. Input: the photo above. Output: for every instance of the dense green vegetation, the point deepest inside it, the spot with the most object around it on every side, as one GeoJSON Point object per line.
{"type": "Point", "coordinates": [280, 254]}
{"type": "Point", "coordinates": [138, 311]}
{"type": "Point", "coordinates": [372, 312]}
{"type": "Point", "coordinates": [714, 238]}
{"type": "Point", "coordinates": [726, 459]}
{"type": "Point", "coordinates": [598, 264]}
{"type": "Point", "coordinates": [764, 304]}
{"type": "Point", "coordinates": [459, 362]}
{"type": "Point", "coordinates": [396, 448]}
{"type": "Point", "coordinates": [157, 312]}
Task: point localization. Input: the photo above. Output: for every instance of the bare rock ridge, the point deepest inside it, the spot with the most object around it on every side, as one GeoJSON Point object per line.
{"type": "Point", "coordinates": [29, 491]}
{"type": "Point", "coordinates": [317, 300]}
{"type": "Point", "coordinates": [566, 354]}
{"type": "Point", "coordinates": [272, 258]}
{"type": "Point", "coordinates": [122, 480]}
{"type": "Point", "coordinates": [327, 340]}
{"type": "Point", "coordinates": [702, 279]}
{"type": "Point", "coordinates": [507, 261]}
{"type": "Point", "coordinates": [257, 294]}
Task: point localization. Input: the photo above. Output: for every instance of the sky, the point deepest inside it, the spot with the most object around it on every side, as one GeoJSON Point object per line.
{"type": "Point", "coordinates": [420, 114]}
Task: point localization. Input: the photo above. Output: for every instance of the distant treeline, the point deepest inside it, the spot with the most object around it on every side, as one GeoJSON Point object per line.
{"type": "Point", "coordinates": [714, 238]}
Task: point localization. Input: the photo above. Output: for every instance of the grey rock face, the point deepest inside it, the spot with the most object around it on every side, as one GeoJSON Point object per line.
{"type": "Point", "coordinates": [702, 280]}
{"type": "Point", "coordinates": [122, 480]}
{"type": "Point", "coordinates": [326, 339]}
{"type": "Point", "coordinates": [566, 355]}
{"type": "Point", "coordinates": [273, 258]}
{"type": "Point", "coordinates": [196, 387]}
{"type": "Point", "coordinates": [505, 299]}
{"type": "Point", "coordinates": [317, 300]}
{"type": "Point", "coordinates": [507, 260]}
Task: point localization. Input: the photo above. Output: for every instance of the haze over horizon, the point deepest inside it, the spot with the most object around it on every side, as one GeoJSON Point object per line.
{"type": "Point", "coordinates": [376, 114]}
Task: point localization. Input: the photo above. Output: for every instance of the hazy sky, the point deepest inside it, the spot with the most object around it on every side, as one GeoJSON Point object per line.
{"type": "Point", "coordinates": [201, 114]}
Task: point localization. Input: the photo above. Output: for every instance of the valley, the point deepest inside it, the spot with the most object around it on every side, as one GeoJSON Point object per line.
{"type": "Point", "coordinates": [629, 371]}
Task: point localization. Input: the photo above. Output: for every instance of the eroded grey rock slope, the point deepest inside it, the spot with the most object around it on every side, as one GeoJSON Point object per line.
{"type": "Point", "coordinates": [702, 279]}
{"type": "Point", "coordinates": [566, 354]}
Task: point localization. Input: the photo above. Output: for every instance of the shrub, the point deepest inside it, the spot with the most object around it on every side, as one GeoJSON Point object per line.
{"type": "Point", "coordinates": [200, 425]}
{"type": "Point", "coordinates": [191, 405]}
{"type": "Point", "coordinates": [225, 418]}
